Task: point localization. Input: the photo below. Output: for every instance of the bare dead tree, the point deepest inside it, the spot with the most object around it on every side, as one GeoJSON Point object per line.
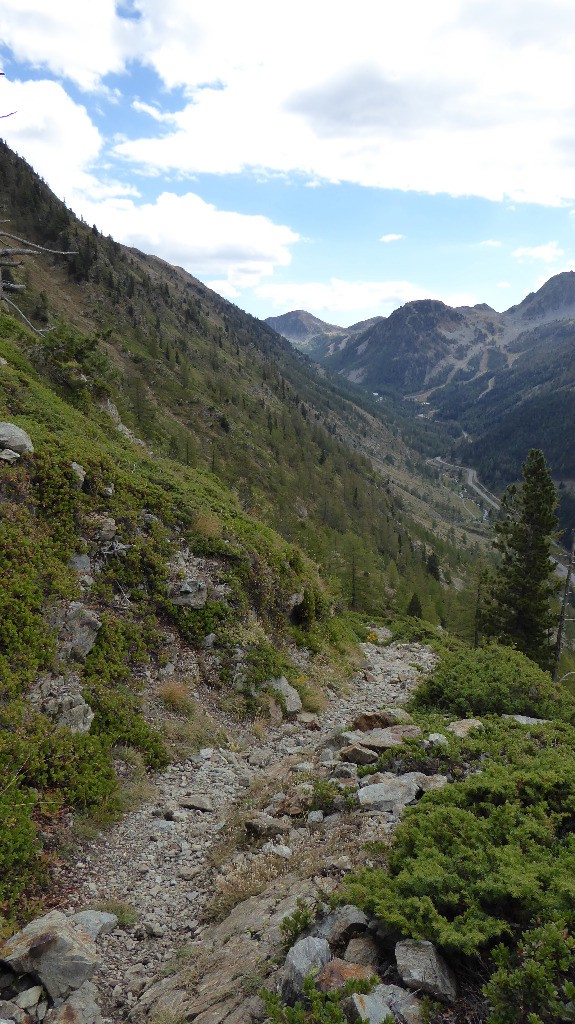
{"type": "Point", "coordinates": [8, 259]}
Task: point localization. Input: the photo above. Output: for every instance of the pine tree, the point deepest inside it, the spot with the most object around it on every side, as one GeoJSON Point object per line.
{"type": "Point", "coordinates": [518, 609]}
{"type": "Point", "coordinates": [414, 607]}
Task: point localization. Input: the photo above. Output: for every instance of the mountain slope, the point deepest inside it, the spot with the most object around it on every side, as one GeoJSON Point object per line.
{"type": "Point", "coordinates": [312, 335]}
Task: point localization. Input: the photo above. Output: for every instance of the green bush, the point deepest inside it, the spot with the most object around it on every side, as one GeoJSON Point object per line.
{"type": "Point", "coordinates": [492, 680]}
{"type": "Point", "coordinates": [483, 858]}
{"type": "Point", "coordinates": [534, 981]}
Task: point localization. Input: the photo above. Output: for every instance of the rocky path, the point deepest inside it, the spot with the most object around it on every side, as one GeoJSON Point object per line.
{"type": "Point", "coordinates": [162, 860]}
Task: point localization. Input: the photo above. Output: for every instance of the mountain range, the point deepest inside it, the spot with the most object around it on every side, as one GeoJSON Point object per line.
{"type": "Point", "coordinates": [505, 380]}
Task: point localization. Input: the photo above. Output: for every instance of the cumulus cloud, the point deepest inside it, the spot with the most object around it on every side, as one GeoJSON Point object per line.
{"type": "Point", "coordinates": [237, 249]}
{"type": "Point", "coordinates": [259, 93]}
{"type": "Point", "coordinates": [390, 238]}
{"type": "Point", "coordinates": [548, 253]}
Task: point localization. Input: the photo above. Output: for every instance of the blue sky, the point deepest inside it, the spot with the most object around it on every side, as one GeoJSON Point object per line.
{"type": "Point", "coordinates": [297, 157]}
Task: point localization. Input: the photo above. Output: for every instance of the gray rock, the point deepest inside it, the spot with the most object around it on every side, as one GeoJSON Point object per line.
{"type": "Point", "coordinates": [373, 1007]}
{"type": "Point", "coordinates": [81, 1007]}
{"type": "Point", "coordinates": [265, 826]}
{"type": "Point", "coordinates": [404, 1006]}
{"type": "Point", "coordinates": [77, 628]}
{"type": "Point", "coordinates": [94, 922]}
{"type": "Point", "coordinates": [358, 754]}
{"type": "Point", "coordinates": [464, 726]}
{"type": "Point", "coordinates": [384, 739]}
{"type": "Point", "coordinates": [7, 455]}
{"type": "Point", "coordinates": [315, 818]}
{"type": "Point", "coordinates": [188, 593]}
{"type": "Point", "coordinates": [107, 529]}
{"type": "Point", "coordinates": [278, 850]}
{"type": "Point", "coordinates": [290, 697]}
{"type": "Point", "coordinates": [525, 719]}
{"type": "Point", "coordinates": [81, 563]}
{"type": "Point", "coordinates": [431, 782]}
{"type": "Point", "coordinates": [14, 438]}
{"type": "Point", "coordinates": [196, 802]}
{"type": "Point", "coordinates": [305, 956]}
{"type": "Point", "coordinates": [30, 997]}
{"type": "Point", "coordinates": [73, 713]}
{"type": "Point", "coordinates": [394, 791]}
{"type": "Point", "coordinates": [421, 967]}
{"type": "Point", "coordinates": [79, 472]}
{"type": "Point", "coordinates": [10, 1012]}
{"type": "Point", "coordinates": [362, 949]}
{"type": "Point", "coordinates": [341, 924]}
{"type": "Point", "coordinates": [53, 951]}
{"type": "Point", "coordinates": [436, 739]}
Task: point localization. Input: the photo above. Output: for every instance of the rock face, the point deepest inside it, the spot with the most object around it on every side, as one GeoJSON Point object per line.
{"type": "Point", "coordinates": [60, 699]}
{"type": "Point", "coordinates": [307, 955]}
{"type": "Point", "coordinates": [421, 967]}
{"type": "Point", "coordinates": [383, 739]}
{"type": "Point", "coordinates": [291, 698]}
{"type": "Point", "coordinates": [15, 439]}
{"type": "Point", "coordinates": [51, 950]}
{"type": "Point", "coordinates": [77, 628]}
{"type": "Point", "coordinates": [95, 922]}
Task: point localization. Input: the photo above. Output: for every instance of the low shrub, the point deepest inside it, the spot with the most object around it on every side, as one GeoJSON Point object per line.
{"type": "Point", "coordinates": [492, 680]}
{"type": "Point", "coordinates": [535, 981]}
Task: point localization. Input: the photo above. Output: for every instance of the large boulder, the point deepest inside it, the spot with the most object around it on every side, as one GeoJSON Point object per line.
{"type": "Point", "coordinates": [289, 696]}
{"type": "Point", "coordinates": [384, 739]}
{"type": "Point", "coordinates": [15, 439]}
{"type": "Point", "coordinates": [392, 792]}
{"type": "Point", "coordinates": [304, 957]}
{"type": "Point", "coordinates": [464, 726]}
{"type": "Point", "coordinates": [421, 967]}
{"type": "Point", "coordinates": [51, 950]}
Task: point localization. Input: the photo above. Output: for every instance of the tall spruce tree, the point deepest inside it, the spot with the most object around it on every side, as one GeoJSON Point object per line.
{"type": "Point", "coordinates": [518, 610]}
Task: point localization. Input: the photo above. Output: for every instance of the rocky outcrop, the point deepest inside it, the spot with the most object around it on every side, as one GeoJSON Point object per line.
{"type": "Point", "coordinates": [290, 698]}
{"type": "Point", "coordinates": [60, 699]}
{"type": "Point", "coordinates": [304, 957]}
{"type": "Point", "coordinates": [54, 953]}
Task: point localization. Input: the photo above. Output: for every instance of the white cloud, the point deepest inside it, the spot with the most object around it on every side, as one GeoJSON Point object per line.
{"type": "Point", "coordinates": [548, 253]}
{"type": "Point", "coordinates": [417, 112]}
{"type": "Point", "coordinates": [491, 243]}
{"type": "Point", "coordinates": [237, 249]}
{"type": "Point", "coordinates": [350, 297]}
{"type": "Point", "coordinates": [504, 284]}
{"type": "Point", "coordinates": [390, 238]}
{"type": "Point", "coordinates": [53, 133]}
{"type": "Point", "coordinates": [75, 39]}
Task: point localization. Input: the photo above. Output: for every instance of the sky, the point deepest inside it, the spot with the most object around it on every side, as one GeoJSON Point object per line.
{"type": "Point", "coordinates": [342, 159]}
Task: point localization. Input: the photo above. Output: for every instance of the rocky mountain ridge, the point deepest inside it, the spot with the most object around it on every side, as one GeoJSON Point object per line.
{"type": "Point", "coordinates": [505, 379]}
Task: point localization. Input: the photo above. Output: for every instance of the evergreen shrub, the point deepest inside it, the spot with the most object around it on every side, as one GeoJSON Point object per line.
{"type": "Point", "coordinates": [492, 680]}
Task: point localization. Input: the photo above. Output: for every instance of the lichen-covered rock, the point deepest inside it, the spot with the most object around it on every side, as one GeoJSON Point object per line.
{"type": "Point", "coordinates": [15, 439]}
{"type": "Point", "coordinates": [305, 956]}
{"type": "Point", "coordinates": [51, 950]}
{"type": "Point", "coordinates": [421, 967]}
